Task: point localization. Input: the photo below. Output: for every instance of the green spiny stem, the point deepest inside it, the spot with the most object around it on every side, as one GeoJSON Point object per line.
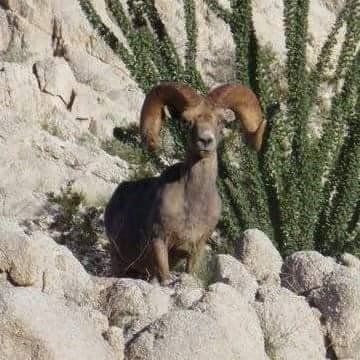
{"type": "Point", "coordinates": [342, 190]}
{"type": "Point", "coordinates": [219, 11]}
{"type": "Point", "coordinates": [354, 224]}
{"type": "Point", "coordinates": [295, 17]}
{"type": "Point", "coordinates": [240, 25]}
{"type": "Point", "coordinates": [342, 104]}
{"type": "Point", "coordinates": [296, 13]}
{"type": "Point", "coordinates": [192, 74]}
{"type": "Point", "coordinates": [352, 38]}
{"type": "Point", "coordinates": [137, 41]}
{"type": "Point", "coordinates": [113, 42]}
{"type": "Point", "coordinates": [229, 223]}
{"type": "Point", "coordinates": [250, 194]}
{"type": "Point", "coordinates": [318, 161]}
{"type": "Point", "coordinates": [165, 45]}
{"type": "Point", "coordinates": [324, 58]}
{"type": "Point", "coordinates": [271, 163]}
{"type": "Point", "coordinates": [232, 203]}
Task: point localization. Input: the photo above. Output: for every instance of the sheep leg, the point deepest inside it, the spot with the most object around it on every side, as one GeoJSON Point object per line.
{"type": "Point", "coordinates": [193, 257]}
{"type": "Point", "coordinates": [191, 263]}
{"type": "Point", "coordinates": [161, 258]}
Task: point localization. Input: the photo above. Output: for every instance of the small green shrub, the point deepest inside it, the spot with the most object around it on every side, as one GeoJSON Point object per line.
{"type": "Point", "coordinates": [73, 221]}
{"type": "Point", "coordinates": [80, 228]}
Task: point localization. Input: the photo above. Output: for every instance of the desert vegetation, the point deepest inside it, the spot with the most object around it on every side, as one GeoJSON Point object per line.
{"type": "Point", "coordinates": [303, 188]}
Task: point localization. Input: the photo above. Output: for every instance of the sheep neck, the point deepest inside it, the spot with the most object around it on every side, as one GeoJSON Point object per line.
{"type": "Point", "coordinates": [200, 176]}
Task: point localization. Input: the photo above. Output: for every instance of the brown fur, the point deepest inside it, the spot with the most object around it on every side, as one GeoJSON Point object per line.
{"type": "Point", "coordinates": [155, 222]}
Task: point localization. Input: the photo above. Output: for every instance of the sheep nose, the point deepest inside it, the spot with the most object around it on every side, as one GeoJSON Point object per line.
{"type": "Point", "coordinates": [206, 140]}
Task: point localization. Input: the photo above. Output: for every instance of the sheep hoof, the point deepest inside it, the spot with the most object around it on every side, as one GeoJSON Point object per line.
{"type": "Point", "coordinates": [154, 281]}
{"type": "Point", "coordinates": [172, 280]}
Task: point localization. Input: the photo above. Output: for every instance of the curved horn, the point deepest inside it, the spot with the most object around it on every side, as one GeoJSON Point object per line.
{"type": "Point", "coordinates": [176, 95]}
{"type": "Point", "coordinates": [244, 103]}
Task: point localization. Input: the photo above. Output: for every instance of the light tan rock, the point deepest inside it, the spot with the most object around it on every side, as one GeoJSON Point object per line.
{"type": "Point", "coordinates": [236, 318]}
{"type": "Point", "coordinates": [170, 11]}
{"type": "Point", "coordinates": [36, 260]}
{"type": "Point", "coordinates": [114, 336]}
{"type": "Point", "coordinates": [350, 261]}
{"type": "Point", "coordinates": [232, 272]}
{"type": "Point", "coordinates": [182, 334]}
{"type": "Point", "coordinates": [5, 34]}
{"type": "Point", "coordinates": [339, 302]}
{"type": "Point", "coordinates": [306, 270]}
{"type": "Point", "coordinates": [134, 304]}
{"type": "Point", "coordinates": [35, 325]}
{"type": "Point", "coordinates": [260, 257]}
{"type": "Point", "coordinates": [21, 258]}
{"type": "Point", "coordinates": [55, 78]}
{"type": "Point", "coordinates": [214, 51]}
{"type": "Point", "coordinates": [187, 291]}
{"type": "Point", "coordinates": [291, 330]}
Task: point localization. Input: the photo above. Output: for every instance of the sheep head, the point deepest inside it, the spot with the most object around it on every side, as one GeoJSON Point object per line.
{"type": "Point", "coordinates": [203, 114]}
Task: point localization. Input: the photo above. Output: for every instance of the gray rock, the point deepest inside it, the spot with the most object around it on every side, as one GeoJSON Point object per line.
{"type": "Point", "coordinates": [232, 272]}
{"type": "Point", "coordinates": [187, 291]}
{"type": "Point", "coordinates": [184, 335]}
{"type": "Point", "coordinates": [114, 336]}
{"type": "Point", "coordinates": [134, 304]}
{"type": "Point", "coordinates": [236, 318]}
{"type": "Point", "coordinates": [5, 35]}
{"type": "Point", "coordinates": [55, 78]}
{"type": "Point", "coordinates": [350, 261]}
{"type": "Point", "coordinates": [260, 257]}
{"type": "Point", "coordinates": [339, 302]}
{"type": "Point", "coordinates": [305, 270]}
{"type": "Point", "coordinates": [22, 259]}
{"type": "Point", "coordinates": [38, 261]}
{"type": "Point", "coordinates": [35, 325]}
{"type": "Point", "coordinates": [187, 298]}
{"type": "Point", "coordinates": [291, 329]}
{"type": "Point", "coordinates": [215, 54]}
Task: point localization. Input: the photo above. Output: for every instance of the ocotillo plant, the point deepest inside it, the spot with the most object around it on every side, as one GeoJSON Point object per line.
{"type": "Point", "coordinates": [302, 190]}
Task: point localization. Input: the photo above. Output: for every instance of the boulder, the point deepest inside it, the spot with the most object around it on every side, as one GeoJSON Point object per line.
{"type": "Point", "coordinates": [236, 318]}
{"type": "Point", "coordinates": [350, 261]}
{"type": "Point", "coordinates": [187, 291]}
{"type": "Point", "coordinates": [182, 334]}
{"type": "Point", "coordinates": [339, 302]}
{"type": "Point", "coordinates": [306, 270]}
{"type": "Point", "coordinates": [260, 257]}
{"type": "Point", "coordinates": [232, 272]}
{"type": "Point", "coordinates": [36, 260]}
{"type": "Point", "coordinates": [22, 259]}
{"type": "Point", "coordinates": [133, 304]}
{"type": "Point", "coordinates": [56, 78]}
{"type": "Point", "coordinates": [291, 329]}
{"type": "Point", "coordinates": [37, 326]}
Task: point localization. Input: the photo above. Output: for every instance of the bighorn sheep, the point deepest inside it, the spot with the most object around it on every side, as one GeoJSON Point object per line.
{"type": "Point", "coordinates": [155, 222]}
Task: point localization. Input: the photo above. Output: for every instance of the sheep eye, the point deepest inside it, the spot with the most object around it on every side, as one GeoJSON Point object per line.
{"type": "Point", "coordinates": [221, 123]}
{"type": "Point", "coordinates": [187, 124]}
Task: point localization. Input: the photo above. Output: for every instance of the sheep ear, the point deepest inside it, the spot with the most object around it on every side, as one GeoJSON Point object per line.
{"type": "Point", "coordinates": [177, 96]}
{"type": "Point", "coordinates": [245, 105]}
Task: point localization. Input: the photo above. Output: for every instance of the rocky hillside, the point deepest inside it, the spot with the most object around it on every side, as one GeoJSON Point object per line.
{"type": "Point", "coordinates": [62, 92]}
{"type": "Point", "coordinates": [257, 307]}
